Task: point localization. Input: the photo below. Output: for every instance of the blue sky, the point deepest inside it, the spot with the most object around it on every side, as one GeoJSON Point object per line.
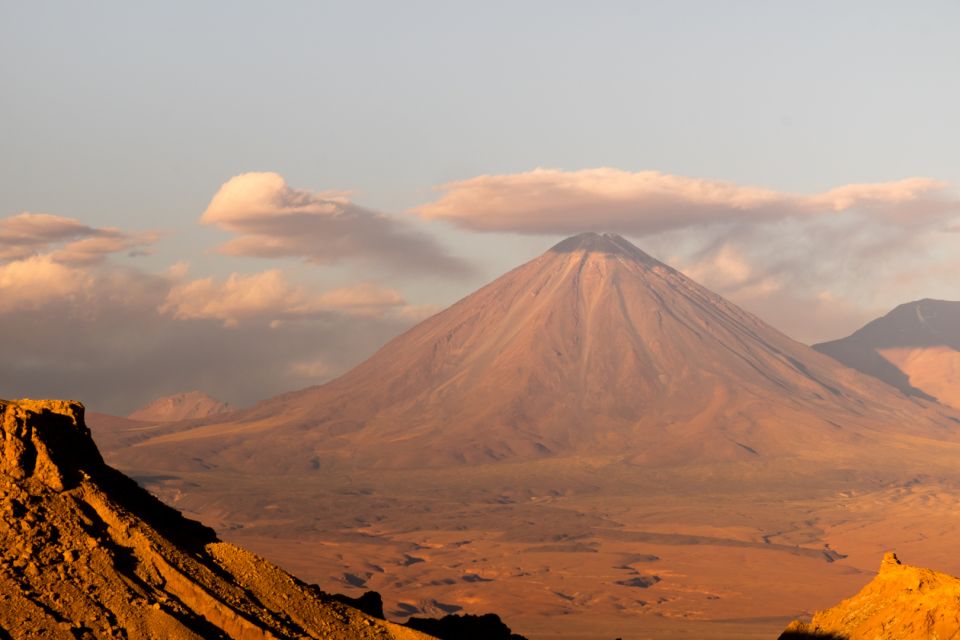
{"type": "Point", "coordinates": [132, 115]}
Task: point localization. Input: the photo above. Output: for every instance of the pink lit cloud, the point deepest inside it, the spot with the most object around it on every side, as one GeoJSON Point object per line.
{"type": "Point", "coordinates": [30, 234]}
{"type": "Point", "coordinates": [550, 201]}
{"type": "Point", "coordinates": [269, 297]}
{"type": "Point", "coordinates": [271, 219]}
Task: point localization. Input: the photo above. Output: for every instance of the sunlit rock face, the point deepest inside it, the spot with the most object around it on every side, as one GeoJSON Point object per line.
{"type": "Point", "coordinates": [900, 603]}
{"type": "Point", "coordinates": [86, 553]}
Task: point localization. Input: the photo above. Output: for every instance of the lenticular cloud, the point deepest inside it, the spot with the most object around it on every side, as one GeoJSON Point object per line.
{"type": "Point", "coordinates": [552, 201]}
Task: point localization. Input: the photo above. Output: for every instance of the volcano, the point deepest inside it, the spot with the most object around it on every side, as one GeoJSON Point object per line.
{"type": "Point", "coordinates": [593, 348]}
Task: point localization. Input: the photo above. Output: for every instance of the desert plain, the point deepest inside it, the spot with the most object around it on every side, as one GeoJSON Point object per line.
{"type": "Point", "coordinates": [584, 551]}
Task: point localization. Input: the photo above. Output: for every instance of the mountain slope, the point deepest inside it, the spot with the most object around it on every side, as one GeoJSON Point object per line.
{"type": "Point", "coordinates": [593, 348]}
{"type": "Point", "coordinates": [915, 347]}
{"type": "Point", "coordinates": [900, 603]}
{"type": "Point", "coordinates": [86, 553]}
{"type": "Point", "coordinates": [180, 406]}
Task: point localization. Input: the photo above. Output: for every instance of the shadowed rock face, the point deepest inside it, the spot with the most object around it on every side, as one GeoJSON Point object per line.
{"type": "Point", "coordinates": [86, 553]}
{"type": "Point", "coordinates": [900, 603]}
{"type": "Point", "coordinates": [47, 441]}
{"type": "Point", "coordinates": [466, 627]}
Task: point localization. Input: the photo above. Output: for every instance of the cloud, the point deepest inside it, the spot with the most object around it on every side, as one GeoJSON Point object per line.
{"type": "Point", "coordinates": [34, 282]}
{"type": "Point", "coordinates": [316, 369]}
{"type": "Point", "coordinates": [811, 316]}
{"type": "Point", "coordinates": [550, 201]}
{"type": "Point", "coordinates": [22, 235]}
{"type": "Point", "coordinates": [121, 353]}
{"type": "Point", "coordinates": [816, 278]}
{"type": "Point", "coordinates": [34, 229]}
{"type": "Point", "coordinates": [96, 249]}
{"type": "Point", "coordinates": [43, 283]}
{"type": "Point", "coordinates": [727, 269]}
{"type": "Point", "coordinates": [28, 234]}
{"type": "Point", "coordinates": [272, 220]}
{"type": "Point", "coordinates": [785, 294]}
{"type": "Point", "coordinates": [269, 297]}
{"type": "Point", "coordinates": [95, 332]}
{"type": "Point", "coordinates": [77, 324]}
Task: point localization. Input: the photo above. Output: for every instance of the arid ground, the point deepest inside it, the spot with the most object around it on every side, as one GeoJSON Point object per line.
{"type": "Point", "coordinates": [589, 552]}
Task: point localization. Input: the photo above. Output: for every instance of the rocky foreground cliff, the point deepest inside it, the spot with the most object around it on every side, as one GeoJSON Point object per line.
{"type": "Point", "coordinates": [86, 553]}
{"type": "Point", "coordinates": [900, 603]}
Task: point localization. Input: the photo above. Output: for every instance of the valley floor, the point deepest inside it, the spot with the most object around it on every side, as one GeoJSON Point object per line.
{"type": "Point", "coordinates": [584, 551]}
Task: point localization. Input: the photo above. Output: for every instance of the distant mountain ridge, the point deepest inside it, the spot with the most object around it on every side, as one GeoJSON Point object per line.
{"type": "Point", "coordinates": [915, 348]}
{"type": "Point", "coordinates": [180, 406]}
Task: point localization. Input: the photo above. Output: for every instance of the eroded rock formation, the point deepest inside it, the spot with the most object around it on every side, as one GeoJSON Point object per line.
{"type": "Point", "coordinates": [86, 553]}
{"type": "Point", "coordinates": [900, 603]}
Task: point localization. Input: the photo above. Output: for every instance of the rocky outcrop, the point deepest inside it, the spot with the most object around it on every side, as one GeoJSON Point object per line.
{"type": "Point", "coordinates": [86, 553]}
{"type": "Point", "coordinates": [47, 441]}
{"type": "Point", "coordinates": [900, 603]}
{"type": "Point", "coordinates": [465, 627]}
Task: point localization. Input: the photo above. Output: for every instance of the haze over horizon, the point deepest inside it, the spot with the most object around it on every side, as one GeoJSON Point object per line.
{"type": "Point", "coordinates": [279, 190]}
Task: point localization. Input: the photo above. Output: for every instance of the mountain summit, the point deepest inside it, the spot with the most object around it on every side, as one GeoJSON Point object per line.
{"type": "Point", "coordinates": [180, 406]}
{"type": "Point", "coordinates": [607, 243]}
{"type": "Point", "coordinates": [592, 348]}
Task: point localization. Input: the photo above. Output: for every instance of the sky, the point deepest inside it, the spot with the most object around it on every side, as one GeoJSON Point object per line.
{"type": "Point", "coordinates": [248, 197]}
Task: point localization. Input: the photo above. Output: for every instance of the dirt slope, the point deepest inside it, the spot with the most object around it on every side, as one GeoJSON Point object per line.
{"type": "Point", "coordinates": [915, 347]}
{"type": "Point", "coordinates": [86, 553]}
{"type": "Point", "coordinates": [900, 603]}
